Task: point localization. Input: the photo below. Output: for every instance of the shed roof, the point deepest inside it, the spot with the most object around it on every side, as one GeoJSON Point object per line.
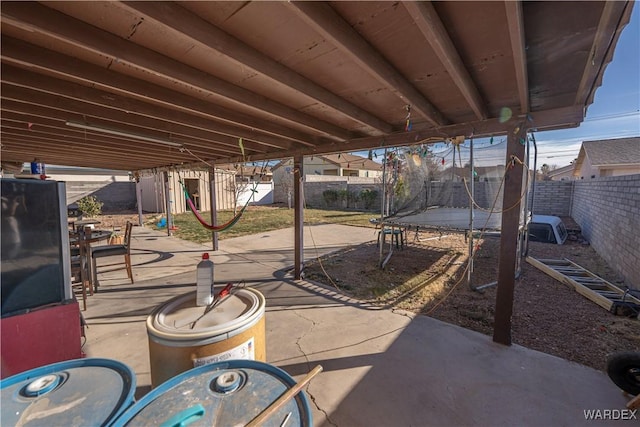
{"type": "Point", "coordinates": [141, 85]}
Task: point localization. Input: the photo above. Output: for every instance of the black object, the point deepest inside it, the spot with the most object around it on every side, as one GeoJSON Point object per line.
{"type": "Point", "coordinates": [32, 273]}
{"type": "Point", "coordinates": [624, 370]}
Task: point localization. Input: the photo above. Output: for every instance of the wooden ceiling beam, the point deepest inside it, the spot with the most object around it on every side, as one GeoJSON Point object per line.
{"type": "Point", "coordinates": [69, 158]}
{"type": "Point", "coordinates": [180, 20]}
{"type": "Point", "coordinates": [43, 20]}
{"type": "Point", "coordinates": [47, 105]}
{"type": "Point", "coordinates": [332, 26]}
{"type": "Point", "coordinates": [541, 120]}
{"type": "Point", "coordinates": [518, 50]}
{"type": "Point", "coordinates": [47, 150]}
{"type": "Point", "coordinates": [137, 155]}
{"type": "Point", "coordinates": [24, 54]}
{"type": "Point", "coordinates": [427, 20]}
{"type": "Point", "coordinates": [55, 129]}
{"type": "Point", "coordinates": [602, 47]}
{"type": "Point", "coordinates": [57, 144]}
{"type": "Point", "coordinates": [93, 102]}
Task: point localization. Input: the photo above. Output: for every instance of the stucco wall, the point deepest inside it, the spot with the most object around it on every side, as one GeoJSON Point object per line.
{"type": "Point", "coordinates": [153, 191]}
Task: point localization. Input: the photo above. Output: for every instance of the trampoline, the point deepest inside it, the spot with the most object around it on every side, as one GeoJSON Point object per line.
{"type": "Point", "coordinates": [450, 187]}
{"type": "Point", "coordinates": [455, 219]}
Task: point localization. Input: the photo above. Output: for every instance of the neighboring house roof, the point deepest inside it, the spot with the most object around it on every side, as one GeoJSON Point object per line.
{"type": "Point", "coordinates": [610, 152]}
{"type": "Point", "coordinates": [482, 171]}
{"type": "Point", "coordinates": [561, 171]}
{"type": "Point", "coordinates": [351, 161]}
{"type": "Point", "coordinates": [248, 170]}
{"type": "Point", "coordinates": [348, 161]}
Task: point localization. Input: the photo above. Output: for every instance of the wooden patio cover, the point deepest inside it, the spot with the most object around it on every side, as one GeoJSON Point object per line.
{"type": "Point", "coordinates": [176, 83]}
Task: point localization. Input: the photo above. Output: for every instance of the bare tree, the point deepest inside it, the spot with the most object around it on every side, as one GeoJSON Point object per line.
{"type": "Point", "coordinates": [238, 186]}
{"type": "Point", "coordinates": [286, 184]}
{"type": "Point", "coordinates": [545, 169]}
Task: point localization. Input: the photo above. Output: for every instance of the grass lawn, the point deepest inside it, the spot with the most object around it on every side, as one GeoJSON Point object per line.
{"type": "Point", "coordinates": [257, 219]}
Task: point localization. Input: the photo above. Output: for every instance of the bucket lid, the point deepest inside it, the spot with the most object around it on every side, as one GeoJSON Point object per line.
{"type": "Point", "coordinates": [221, 394]}
{"type": "Point", "coordinates": [83, 392]}
{"type": "Point", "coordinates": [172, 321]}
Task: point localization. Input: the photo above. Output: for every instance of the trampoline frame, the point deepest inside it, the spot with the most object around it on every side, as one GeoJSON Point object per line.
{"type": "Point", "coordinates": [469, 230]}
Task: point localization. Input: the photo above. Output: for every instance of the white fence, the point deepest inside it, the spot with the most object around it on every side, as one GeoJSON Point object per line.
{"type": "Point", "coordinates": [256, 194]}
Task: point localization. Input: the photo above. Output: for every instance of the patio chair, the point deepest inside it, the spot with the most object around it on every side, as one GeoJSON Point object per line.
{"type": "Point", "coordinates": [113, 250]}
{"type": "Point", "coordinates": [397, 234]}
{"type": "Point", "coordinates": [80, 280]}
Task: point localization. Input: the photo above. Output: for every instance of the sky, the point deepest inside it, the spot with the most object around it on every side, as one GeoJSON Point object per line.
{"type": "Point", "coordinates": [614, 113]}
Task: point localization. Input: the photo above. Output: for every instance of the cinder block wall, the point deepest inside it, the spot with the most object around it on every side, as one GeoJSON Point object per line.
{"type": "Point", "coordinates": [608, 211]}
{"type": "Point", "coordinates": [553, 198]}
{"type": "Point", "coordinates": [116, 196]}
{"type": "Point", "coordinates": [313, 193]}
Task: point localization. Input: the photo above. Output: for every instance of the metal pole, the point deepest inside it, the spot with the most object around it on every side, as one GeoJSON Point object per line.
{"type": "Point", "coordinates": [382, 205]}
{"type": "Point", "coordinates": [139, 200]}
{"type": "Point", "coordinates": [298, 173]}
{"type": "Point", "coordinates": [213, 206]}
{"type": "Point", "coordinates": [471, 199]}
{"type": "Point", "coordinates": [168, 202]}
{"type": "Point", "coordinates": [533, 193]}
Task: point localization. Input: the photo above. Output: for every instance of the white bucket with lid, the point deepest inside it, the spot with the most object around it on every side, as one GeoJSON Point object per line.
{"type": "Point", "coordinates": [234, 329]}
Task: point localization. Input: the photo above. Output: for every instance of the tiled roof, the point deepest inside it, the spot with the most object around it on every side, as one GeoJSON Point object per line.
{"type": "Point", "coordinates": [247, 169]}
{"type": "Point", "coordinates": [621, 151]}
{"type": "Point", "coordinates": [351, 161]}
{"type": "Point", "coordinates": [560, 171]}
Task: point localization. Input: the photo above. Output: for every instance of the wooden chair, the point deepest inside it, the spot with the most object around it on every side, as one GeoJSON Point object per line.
{"type": "Point", "coordinates": [112, 250]}
{"type": "Point", "coordinates": [80, 268]}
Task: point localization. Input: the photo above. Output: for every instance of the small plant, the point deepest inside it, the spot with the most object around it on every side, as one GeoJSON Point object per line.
{"type": "Point", "coordinates": [368, 197]}
{"type": "Point", "coordinates": [343, 197]}
{"type": "Point", "coordinates": [330, 197]}
{"type": "Point", "coordinates": [352, 198]}
{"type": "Point", "coordinates": [90, 206]}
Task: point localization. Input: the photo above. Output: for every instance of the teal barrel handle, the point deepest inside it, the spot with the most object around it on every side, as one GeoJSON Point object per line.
{"type": "Point", "coordinates": [186, 417]}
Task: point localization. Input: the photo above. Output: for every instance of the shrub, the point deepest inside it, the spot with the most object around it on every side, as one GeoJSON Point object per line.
{"type": "Point", "coordinates": [368, 197]}
{"type": "Point", "coordinates": [90, 206]}
{"type": "Point", "coordinates": [330, 197]}
{"type": "Point", "coordinates": [353, 197]}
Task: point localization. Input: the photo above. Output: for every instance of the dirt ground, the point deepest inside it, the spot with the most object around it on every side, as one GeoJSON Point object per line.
{"type": "Point", "coordinates": [429, 277]}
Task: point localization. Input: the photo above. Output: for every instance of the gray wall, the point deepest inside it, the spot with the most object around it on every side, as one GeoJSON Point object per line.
{"type": "Point", "coordinates": [116, 196]}
{"type": "Point", "coordinates": [608, 211]}
{"type": "Point", "coordinates": [314, 198]}
{"type": "Point", "coordinates": [553, 198]}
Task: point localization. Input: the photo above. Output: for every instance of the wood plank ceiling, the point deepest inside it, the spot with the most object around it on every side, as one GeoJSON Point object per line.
{"type": "Point", "coordinates": [288, 77]}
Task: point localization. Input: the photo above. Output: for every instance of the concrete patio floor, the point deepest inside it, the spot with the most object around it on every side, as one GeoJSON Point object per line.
{"type": "Point", "coordinates": [381, 367]}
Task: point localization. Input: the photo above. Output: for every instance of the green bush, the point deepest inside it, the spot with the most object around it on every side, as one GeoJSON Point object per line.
{"type": "Point", "coordinates": [90, 206]}
{"type": "Point", "coordinates": [330, 197]}
{"type": "Point", "coordinates": [353, 197]}
{"type": "Point", "coordinates": [368, 197]}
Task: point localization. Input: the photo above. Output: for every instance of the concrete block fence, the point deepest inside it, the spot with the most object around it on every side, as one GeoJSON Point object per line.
{"type": "Point", "coordinates": [608, 211]}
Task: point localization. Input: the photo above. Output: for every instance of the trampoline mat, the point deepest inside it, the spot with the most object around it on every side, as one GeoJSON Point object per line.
{"type": "Point", "coordinates": [451, 218]}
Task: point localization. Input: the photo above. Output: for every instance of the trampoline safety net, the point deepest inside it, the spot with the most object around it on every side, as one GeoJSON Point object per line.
{"type": "Point", "coordinates": [430, 185]}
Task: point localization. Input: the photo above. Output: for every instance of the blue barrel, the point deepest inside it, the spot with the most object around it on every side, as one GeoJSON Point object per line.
{"type": "Point", "coordinates": [227, 393]}
{"type": "Point", "coordinates": [81, 392]}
